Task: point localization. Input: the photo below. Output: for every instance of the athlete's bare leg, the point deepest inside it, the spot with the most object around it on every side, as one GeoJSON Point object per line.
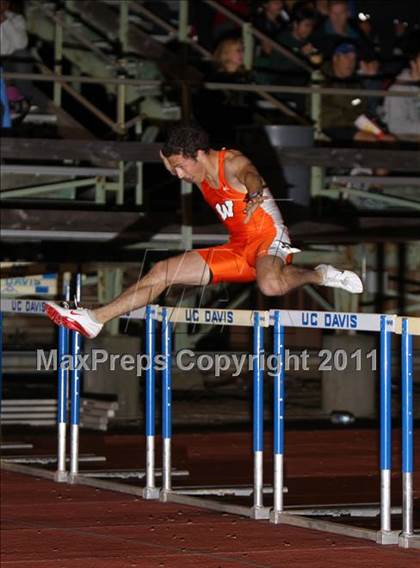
{"type": "Point", "coordinates": [275, 278]}
{"type": "Point", "coordinates": [188, 268]}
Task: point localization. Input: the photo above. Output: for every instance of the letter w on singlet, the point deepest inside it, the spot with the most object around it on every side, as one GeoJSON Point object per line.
{"type": "Point", "coordinates": [225, 209]}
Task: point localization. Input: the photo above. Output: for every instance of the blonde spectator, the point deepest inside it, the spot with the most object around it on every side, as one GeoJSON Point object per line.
{"type": "Point", "coordinates": [228, 56]}
{"type": "Point", "coordinates": [221, 111]}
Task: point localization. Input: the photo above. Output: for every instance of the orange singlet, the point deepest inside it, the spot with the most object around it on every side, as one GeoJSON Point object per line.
{"type": "Point", "coordinates": [264, 234]}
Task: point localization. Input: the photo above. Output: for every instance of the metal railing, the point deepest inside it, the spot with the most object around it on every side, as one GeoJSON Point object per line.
{"type": "Point", "coordinates": [119, 123]}
{"type": "Point", "coordinates": [251, 31]}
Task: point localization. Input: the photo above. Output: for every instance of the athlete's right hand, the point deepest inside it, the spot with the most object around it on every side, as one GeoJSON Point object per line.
{"type": "Point", "coordinates": [167, 164]}
{"type": "Point", "coordinates": [252, 205]}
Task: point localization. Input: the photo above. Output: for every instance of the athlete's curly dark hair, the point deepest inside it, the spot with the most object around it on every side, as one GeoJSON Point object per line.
{"type": "Point", "coordinates": [187, 140]}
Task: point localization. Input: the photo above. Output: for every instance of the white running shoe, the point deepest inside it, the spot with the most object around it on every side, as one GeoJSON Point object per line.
{"type": "Point", "coordinates": [78, 319]}
{"type": "Point", "coordinates": [344, 279]}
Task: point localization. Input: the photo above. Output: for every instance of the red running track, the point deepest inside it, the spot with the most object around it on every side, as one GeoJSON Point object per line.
{"type": "Point", "coordinates": [46, 525]}
{"type": "Point", "coordinates": [59, 526]}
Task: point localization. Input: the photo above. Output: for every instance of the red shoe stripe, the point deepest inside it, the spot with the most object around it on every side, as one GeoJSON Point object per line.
{"type": "Point", "coordinates": [58, 319]}
{"type": "Point", "coordinates": [75, 326]}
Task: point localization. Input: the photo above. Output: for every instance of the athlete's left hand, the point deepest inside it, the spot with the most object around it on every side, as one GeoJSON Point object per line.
{"type": "Point", "coordinates": [252, 205]}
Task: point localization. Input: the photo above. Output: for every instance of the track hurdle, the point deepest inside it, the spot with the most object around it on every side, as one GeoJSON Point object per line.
{"type": "Point", "coordinates": [75, 385]}
{"type": "Point", "coordinates": [63, 347]}
{"type": "Point", "coordinates": [150, 491]}
{"type": "Point", "coordinates": [108, 478]}
{"type": "Point", "coordinates": [27, 464]}
{"type": "Point", "coordinates": [199, 496]}
{"type": "Point", "coordinates": [407, 327]}
{"type": "Point", "coordinates": [68, 410]}
{"type": "Point", "coordinates": [167, 330]}
{"type": "Point", "coordinates": [279, 320]}
{"type": "Point", "coordinates": [384, 325]}
{"type": "Point", "coordinates": [356, 322]}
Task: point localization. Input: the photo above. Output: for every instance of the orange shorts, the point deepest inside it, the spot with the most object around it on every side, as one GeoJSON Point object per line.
{"type": "Point", "coordinates": [236, 260]}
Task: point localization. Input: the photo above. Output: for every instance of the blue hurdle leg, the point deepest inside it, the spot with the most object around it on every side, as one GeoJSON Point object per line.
{"type": "Point", "coordinates": [150, 491]}
{"type": "Point", "coordinates": [75, 379]}
{"type": "Point", "coordinates": [63, 349]}
{"type": "Point", "coordinates": [76, 344]}
{"type": "Point", "coordinates": [278, 478]}
{"type": "Point", "coordinates": [166, 403]}
{"type": "Point", "coordinates": [1, 360]}
{"type": "Point", "coordinates": [407, 429]}
{"type": "Point", "coordinates": [258, 511]}
{"type": "Point", "coordinates": [63, 337]}
{"type": "Point", "coordinates": [385, 426]}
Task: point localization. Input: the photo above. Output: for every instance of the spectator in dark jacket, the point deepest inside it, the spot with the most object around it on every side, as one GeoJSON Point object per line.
{"type": "Point", "coordinates": [367, 32]}
{"type": "Point", "coordinates": [336, 28]}
{"type": "Point", "coordinates": [220, 111]}
{"type": "Point", "coordinates": [278, 69]}
{"type": "Point", "coordinates": [340, 112]}
{"type": "Point", "coordinates": [321, 9]}
{"type": "Point", "coordinates": [271, 20]}
{"type": "Point", "coordinates": [296, 38]}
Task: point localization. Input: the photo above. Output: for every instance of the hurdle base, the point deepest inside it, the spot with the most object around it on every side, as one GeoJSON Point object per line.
{"type": "Point", "coordinates": [151, 493]}
{"type": "Point", "coordinates": [275, 517]}
{"type": "Point", "coordinates": [293, 519]}
{"type": "Point", "coordinates": [61, 477]}
{"type": "Point", "coordinates": [259, 513]}
{"type": "Point", "coordinates": [164, 495]}
{"type": "Point", "coordinates": [387, 537]}
{"type": "Point", "coordinates": [72, 478]}
{"type": "Point", "coordinates": [409, 540]}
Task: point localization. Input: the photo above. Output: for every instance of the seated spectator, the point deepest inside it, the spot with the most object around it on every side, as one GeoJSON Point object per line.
{"type": "Point", "coordinates": [296, 39]}
{"type": "Point", "coordinates": [339, 112]}
{"type": "Point", "coordinates": [321, 10]}
{"type": "Point", "coordinates": [13, 35]}
{"type": "Point", "coordinates": [319, 7]}
{"type": "Point", "coordinates": [219, 112]}
{"type": "Point", "coordinates": [401, 38]}
{"type": "Point", "coordinates": [367, 32]}
{"type": "Point", "coordinates": [336, 28]}
{"type": "Point", "coordinates": [271, 20]}
{"type": "Point", "coordinates": [277, 69]}
{"type": "Point", "coordinates": [402, 114]}
{"type": "Point", "coordinates": [228, 57]}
